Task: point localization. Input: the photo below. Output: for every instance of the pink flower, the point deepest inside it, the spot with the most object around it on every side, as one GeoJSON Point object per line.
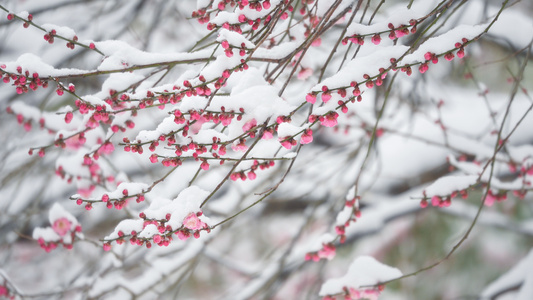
{"type": "Point", "coordinates": [354, 294]}
{"type": "Point", "coordinates": [183, 235]}
{"type": "Point", "coordinates": [423, 68]}
{"type": "Point", "coordinates": [491, 198]}
{"type": "Point", "coordinates": [307, 137]}
{"type": "Point", "coordinates": [62, 226]}
{"type": "Point", "coordinates": [311, 98]}
{"type": "Point", "coordinates": [376, 39]}
{"type": "Point", "coordinates": [196, 126]}
{"type": "Point", "coordinates": [192, 222]}
{"type": "Point", "coordinates": [305, 73]}
{"type": "Point", "coordinates": [287, 142]}
{"type": "Point", "coordinates": [449, 56]}
{"type": "Point", "coordinates": [157, 239]}
{"type": "Point", "coordinates": [435, 200]}
{"type": "Point", "coordinates": [400, 33]}
{"type": "Point", "coordinates": [327, 251]}
{"type": "Point", "coordinates": [107, 246]}
{"type": "Point", "coordinates": [86, 192]}
{"type": "Point", "coordinates": [267, 134]}
{"type": "Point", "coordinates": [249, 125]}
{"type": "Point", "coordinates": [371, 294]}
{"type": "Point", "coordinates": [75, 142]}
{"type": "Point", "coordinates": [330, 119]}
{"type": "Point", "coordinates": [325, 97]}
{"type": "Point", "coordinates": [68, 117]}
{"type": "Point", "coordinates": [225, 44]}
{"type": "Point", "coordinates": [107, 148]}
{"type": "Point", "coordinates": [252, 175]}
{"type": "Point", "coordinates": [239, 147]}
{"type": "Point", "coordinates": [461, 53]}
{"type": "Point", "coordinates": [3, 291]}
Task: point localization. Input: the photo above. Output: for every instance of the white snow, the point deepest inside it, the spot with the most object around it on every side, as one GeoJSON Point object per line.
{"type": "Point", "coordinates": [520, 274]}
{"type": "Point", "coordinates": [364, 271]}
{"type": "Point", "coordinates": [448, 184]}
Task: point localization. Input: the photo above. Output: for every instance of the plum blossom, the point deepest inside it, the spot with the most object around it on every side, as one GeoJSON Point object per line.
{"type": "Point", "coordinates": [107, 148]}
{"type": "Point", "coordinates": [369, 294]}
{"type": "Point", "coordinates": [267, 134]}
{"type": "Point", "coordinates": [287, 142]}
{"type": "Point", "coordinates": [307, 137]}
{"type": "Point", "coordinates": [239, 146]}
{"type": "Point", "coordinates": [183, 234]}
{"type": "Point", "coordinates": [330, 119]}
{"type": "Point", "coordinates": [62, 226]}
{"type": "Point", "coordinates": [192, 222]}
{"type": "Point", "coordinates": [305, 73]}
{"type": "Point", "coordinates": [75, 142]}
{"type": "Point", "coordinates": [490, 199]}
{"type": "Point", "coordinates": [311, 98]}
{"type": "Point", "coordinates": [376, 39]}
{"type": "Point", "coordinates": [249, 125]}
{"type": "Point", "coordinates": [327, 251]}
{"type": "Point", "coordinates": [326, 96]}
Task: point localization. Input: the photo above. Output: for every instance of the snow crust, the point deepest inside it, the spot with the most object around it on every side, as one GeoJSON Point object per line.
{"type": "Point", "coordinates": [363, 271]}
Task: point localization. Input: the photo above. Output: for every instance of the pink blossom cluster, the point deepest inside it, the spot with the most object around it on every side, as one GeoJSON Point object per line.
{"type": "Point", "coordinates": [393, 33]}
{"type": "Point", "coordinates": [191, 225]}
{"type": "Point", "coordinates": [353, 205]}
{"type": "Point", "coordinates": [328, 252]}
{"type": "Point", "coordinates": [24, 81]}
{"type": "Point", "coordinates": [204, 14]}
{"type": "Point", "coordinates": [351, 293]}
{"type": "Point", "coordinates": [442, 201]}
{"type": "Point", "coordinates": [65, 231]}
{"type": "Point", "coordinates": [250, 173]}
{"type": "Point", "coordinates": [116, 202]}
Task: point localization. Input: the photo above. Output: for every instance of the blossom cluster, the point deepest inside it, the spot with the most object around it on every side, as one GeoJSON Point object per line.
{"type": "Point", "coordinates": [63, 230]}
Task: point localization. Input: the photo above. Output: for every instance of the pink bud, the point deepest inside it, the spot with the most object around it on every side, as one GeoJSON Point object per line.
{"type": "Point", "coordinates": [461, 53]}
{"type": "Point", "coordinates": [449, 56]}
{"type": "Point", "coordinates": [311, 98]}
{"type": "Point", "coordinates": [107, 246]}
{"type": "Point", "coordinates": [68, 117]}
{"type": "Point", "coordinates": [157, 238]}
{"type": "Point", "coordinates": [423, 68]}
{"type": "Point", "coordinates": [376, 39]}
{"type": "Point", "coordinates": [326, 97]}
{"type": "Point", "coordinates": [307, 137]}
